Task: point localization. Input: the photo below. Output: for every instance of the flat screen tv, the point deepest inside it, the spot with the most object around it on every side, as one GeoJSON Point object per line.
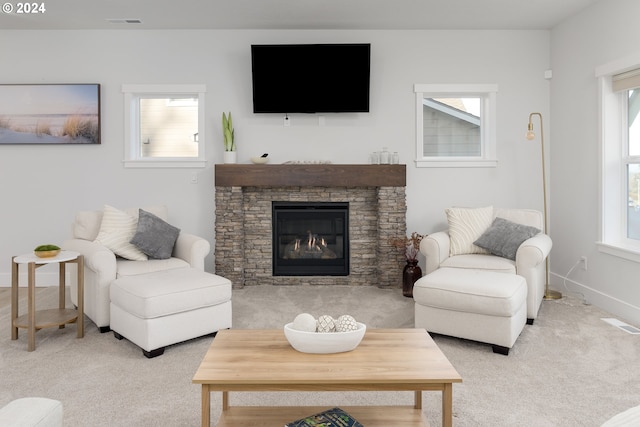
{"type": "Point", "coordinates": [310, 78]}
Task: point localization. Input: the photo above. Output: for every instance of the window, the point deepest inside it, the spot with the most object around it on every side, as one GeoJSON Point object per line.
{"type": "Point", "coordinates": [164, 125]}
{"type": "Point", "coordinates": [619, 87]}
{"type": "Point", "coordinates": [455, 125]}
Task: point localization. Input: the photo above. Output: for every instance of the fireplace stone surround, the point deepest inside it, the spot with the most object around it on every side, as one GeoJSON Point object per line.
{"type": "Point", "coordinates": [243, 226]}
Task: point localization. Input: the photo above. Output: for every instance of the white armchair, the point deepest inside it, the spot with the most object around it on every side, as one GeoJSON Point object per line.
{"type": "Point", "coordinates": [102, 266]}
{"type": "Point", "coordinates": [529, 260]}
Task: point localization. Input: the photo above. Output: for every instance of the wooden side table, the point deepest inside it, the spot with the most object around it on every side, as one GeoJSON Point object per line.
{"type": "Point", "coordinates": [35, 320]}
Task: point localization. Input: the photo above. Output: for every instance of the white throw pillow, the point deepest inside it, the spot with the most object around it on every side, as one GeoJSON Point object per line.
{"type": "Point", "coordinates": [466, 225]}
{"type": "Point", "coordinates": [116, 230]}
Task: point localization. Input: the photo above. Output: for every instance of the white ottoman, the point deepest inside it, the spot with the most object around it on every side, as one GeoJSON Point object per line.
{"type": "Point", "coordinates": [167, 307]}
{"type": "Point", "coordinates": [628, 418]}
{"type": "Point", "coordinates": [473, 304]}
{"type": "Point", "coordinates": [31, 412]}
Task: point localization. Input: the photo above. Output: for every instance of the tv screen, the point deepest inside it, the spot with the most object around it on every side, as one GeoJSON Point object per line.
{"type": "Point", "coordinates": [310, 78]}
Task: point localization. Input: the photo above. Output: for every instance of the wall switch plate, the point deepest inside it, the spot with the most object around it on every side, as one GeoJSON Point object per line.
{"type": "Point", "coordinates": [194, 178]}
{"type": "Point", "coordinates": [287, 121]}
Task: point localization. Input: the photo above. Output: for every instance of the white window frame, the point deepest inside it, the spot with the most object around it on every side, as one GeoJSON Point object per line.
{"type": "Point", "coordinates": [613, 194]}
{"type": "Point", "coordinates": [488, 95]}
{"type": "Point", "coordinates": [132, 94]}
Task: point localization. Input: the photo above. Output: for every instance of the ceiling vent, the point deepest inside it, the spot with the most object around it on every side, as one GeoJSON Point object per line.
{"type": "Point", "coordinates": [124, 21]}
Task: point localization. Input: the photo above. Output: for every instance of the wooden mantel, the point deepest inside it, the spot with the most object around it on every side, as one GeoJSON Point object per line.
{"type": "Point", "coordinates": [310, 175]}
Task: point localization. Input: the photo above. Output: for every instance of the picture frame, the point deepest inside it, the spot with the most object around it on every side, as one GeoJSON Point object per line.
{"type": "Point", "coordinates": [50, 114]}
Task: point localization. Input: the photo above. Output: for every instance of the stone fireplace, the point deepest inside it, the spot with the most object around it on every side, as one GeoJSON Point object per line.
{"type": "Point", "coordinates": [245, 195]}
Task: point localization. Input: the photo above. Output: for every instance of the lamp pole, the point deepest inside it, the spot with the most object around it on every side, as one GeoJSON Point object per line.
{"type": "Point", "coordinates": [548, 293]}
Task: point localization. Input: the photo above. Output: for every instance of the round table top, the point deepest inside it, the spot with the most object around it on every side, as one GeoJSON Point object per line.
{"type": "Point", "coordinates": [61, 257]}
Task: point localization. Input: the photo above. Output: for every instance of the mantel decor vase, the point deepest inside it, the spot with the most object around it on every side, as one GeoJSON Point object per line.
{"type": "Point", "coordinates": [230, 157]}
{"type": "Point", "coordinates": [410, 274]}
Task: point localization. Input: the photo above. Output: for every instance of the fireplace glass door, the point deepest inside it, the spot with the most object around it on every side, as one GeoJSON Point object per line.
{"type": "Point", "coordinates": [310, 239]}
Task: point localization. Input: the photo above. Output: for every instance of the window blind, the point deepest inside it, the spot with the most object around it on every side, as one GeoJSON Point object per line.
{"type": "Point", "coordinates": [627, 80]}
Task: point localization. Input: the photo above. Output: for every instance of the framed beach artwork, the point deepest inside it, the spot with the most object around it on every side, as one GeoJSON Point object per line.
{"type": "Point", "coordinates": [49, 114]}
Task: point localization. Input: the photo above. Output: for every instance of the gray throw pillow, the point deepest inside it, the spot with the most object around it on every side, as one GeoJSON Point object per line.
{"type": "Point", "coordinates": [154, 236]}
{"type": "Point", "coordinates": [504, 237]}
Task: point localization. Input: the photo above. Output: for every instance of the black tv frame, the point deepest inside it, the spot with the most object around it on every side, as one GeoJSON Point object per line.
{"type": "Point", "coordinates": [311, 78]}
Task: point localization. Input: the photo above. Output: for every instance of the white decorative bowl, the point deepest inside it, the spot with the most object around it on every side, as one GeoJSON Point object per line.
{"type": "Point", "coordinates": [324, 342]}
{"type": "Point", "coordinates": [259, 160]}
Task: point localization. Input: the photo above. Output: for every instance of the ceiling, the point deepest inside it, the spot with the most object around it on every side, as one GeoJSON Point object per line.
{"type": "Point", "coordinates": [294, 14]}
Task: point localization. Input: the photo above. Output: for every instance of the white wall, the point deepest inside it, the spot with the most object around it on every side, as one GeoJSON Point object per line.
{"type": "Point", "coordinates": [42, 186]}
{"type": "Point", "coordinates": [605, 32]}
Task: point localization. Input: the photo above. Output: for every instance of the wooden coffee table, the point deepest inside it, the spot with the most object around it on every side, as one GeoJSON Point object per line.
{"type": "Point", "coordinates": [385, 360]}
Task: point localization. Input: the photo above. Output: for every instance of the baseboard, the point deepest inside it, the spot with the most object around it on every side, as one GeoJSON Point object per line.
{"type": "Point", "coordinates": [621, 309]}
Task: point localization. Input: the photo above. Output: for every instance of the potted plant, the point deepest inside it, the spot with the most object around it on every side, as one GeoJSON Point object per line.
{"type": "Point", "coordinates": [229, 139]}
{"type": "Point", "coordinates": [409, 247]}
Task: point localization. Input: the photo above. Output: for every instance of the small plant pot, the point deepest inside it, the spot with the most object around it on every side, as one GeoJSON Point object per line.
{"type": "Point", "coordinates": [230, 157]}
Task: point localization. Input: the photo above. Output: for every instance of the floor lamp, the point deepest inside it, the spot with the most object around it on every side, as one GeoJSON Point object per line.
{"type": "Point", "coordinates": [548, 293]}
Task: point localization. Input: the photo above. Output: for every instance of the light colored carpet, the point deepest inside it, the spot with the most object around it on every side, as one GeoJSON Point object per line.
{"type": "Point", "coordinates": [567, 369]}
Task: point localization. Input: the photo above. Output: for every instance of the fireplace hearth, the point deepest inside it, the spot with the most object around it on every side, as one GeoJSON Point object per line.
{"type": "Point", "coordinates": [244, 223]}
{"type": "Point", "coordinates": [310, 238]}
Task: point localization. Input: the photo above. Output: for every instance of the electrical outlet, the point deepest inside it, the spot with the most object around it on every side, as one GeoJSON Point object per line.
{"type": "Point", "coordinates": [583, 261]}
{"type": "Point", "coordinates": [287, 121]}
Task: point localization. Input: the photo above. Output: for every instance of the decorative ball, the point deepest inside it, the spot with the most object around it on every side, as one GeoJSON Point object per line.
{"type": "Point", "coordinates": [326, 323]}
{"type": "Point", "coordinates": [346, 323]}
{"type": "Point", "coordinates": [304, 322]}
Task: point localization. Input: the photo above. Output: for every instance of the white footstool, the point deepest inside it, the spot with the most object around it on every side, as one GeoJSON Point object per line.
{"type": "Point", "coordinates": [473, 304]}
{"type": "Point", "coordinates": [32, 412]}
{"type": "Point", "coordinates": [628, 418]}
{"type": "Point", "coordinates": [167, 307]}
